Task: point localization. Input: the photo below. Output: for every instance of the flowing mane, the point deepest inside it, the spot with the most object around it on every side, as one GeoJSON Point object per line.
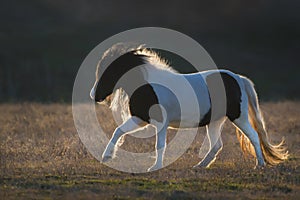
{"type": "Point", "coordinates": [118, 50]}
{"type": "Point", "coordinates": [153, 59]}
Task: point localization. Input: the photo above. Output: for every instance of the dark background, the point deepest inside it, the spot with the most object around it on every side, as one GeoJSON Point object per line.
{"type": "Point", "coordinates": [43, 42]}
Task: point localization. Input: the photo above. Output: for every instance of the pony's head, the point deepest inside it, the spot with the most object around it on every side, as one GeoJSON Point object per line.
{"type": "Point", "coordinates": [114, 63]}
{"type": "Point", "coordinates": [117, 61]}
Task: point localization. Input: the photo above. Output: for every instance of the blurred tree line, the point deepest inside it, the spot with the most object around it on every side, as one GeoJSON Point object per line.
{"type": "Point", "coordinates": [43, 42]}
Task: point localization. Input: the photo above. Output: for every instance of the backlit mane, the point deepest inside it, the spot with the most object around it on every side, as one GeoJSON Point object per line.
{"type": "Point", "coordinates": [155, 60]}
{"type": "Point", "coordinates": [113, 53]}
{"type": "Point", "coordinates": [119, 49]}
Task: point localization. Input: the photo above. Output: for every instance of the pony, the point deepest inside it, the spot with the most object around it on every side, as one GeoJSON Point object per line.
{"type": "Point", "coordinates": [157, 94]}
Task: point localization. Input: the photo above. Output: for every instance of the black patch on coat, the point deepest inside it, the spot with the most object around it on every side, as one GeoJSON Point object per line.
{"type": "Point", "coordinates": [141, 101]}
{"type": "Point", "coordinates": [233, 97]}
{"type": "Point", "coordinates": [115, 71]}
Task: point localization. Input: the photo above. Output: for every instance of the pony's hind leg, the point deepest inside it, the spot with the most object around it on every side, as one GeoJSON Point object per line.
{"type": "Point", "coordinates": [129, 125]}
{"type": "Point", "coordinates": [214, 135]}
{"type": "Point", "coordinates": [244, 125]}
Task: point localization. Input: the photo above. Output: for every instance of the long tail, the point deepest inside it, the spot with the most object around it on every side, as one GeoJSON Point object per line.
{"type": "Point", "coordinates": [273, 154]}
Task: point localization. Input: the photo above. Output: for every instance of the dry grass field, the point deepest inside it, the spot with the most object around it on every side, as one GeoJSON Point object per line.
{"type": "Point", "coordinates": [42, 157]}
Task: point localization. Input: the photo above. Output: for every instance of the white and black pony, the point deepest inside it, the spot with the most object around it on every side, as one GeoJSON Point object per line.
{"type": "Point", "coordinates": [142, 92]}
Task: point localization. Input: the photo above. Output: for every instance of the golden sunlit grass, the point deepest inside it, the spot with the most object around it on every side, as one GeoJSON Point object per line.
{"type": "Point", "coordinates": [42, 156]}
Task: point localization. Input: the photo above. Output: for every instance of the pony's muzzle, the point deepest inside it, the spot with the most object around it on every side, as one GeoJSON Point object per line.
{"type": "Point", "coordinates": [92, 93]}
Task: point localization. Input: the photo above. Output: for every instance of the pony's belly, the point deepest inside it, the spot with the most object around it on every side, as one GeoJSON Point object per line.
{"type": "Point", "coordinates": [184, 124]}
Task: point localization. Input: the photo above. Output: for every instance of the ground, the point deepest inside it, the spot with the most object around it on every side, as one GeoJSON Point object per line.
{"type": "Point", "coordinates": [42, 157]}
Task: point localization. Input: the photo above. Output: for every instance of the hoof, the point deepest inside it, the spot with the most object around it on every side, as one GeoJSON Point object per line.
{"type": "Point", "coordinates": [106, 159]}
{"type": "Point", "coordinates": [200, 165]}
{"type": "Point", "coordinates": [153, 168]}
{"type": "Point", "coordinates": [197, 166]}
{"type": "Point", "coordinates": [206, 162]}
{"type": "Point", "coordinates": [259, 167]}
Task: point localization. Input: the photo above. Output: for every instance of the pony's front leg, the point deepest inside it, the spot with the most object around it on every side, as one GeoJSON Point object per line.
{"type": "Point", "coordinates": [111, 148]}
{"type": "Point", "coordinates": [160, 146]}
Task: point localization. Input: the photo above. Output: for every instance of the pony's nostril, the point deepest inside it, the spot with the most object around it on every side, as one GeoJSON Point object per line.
{"type": "Point", "coordinates": [98, 100]}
